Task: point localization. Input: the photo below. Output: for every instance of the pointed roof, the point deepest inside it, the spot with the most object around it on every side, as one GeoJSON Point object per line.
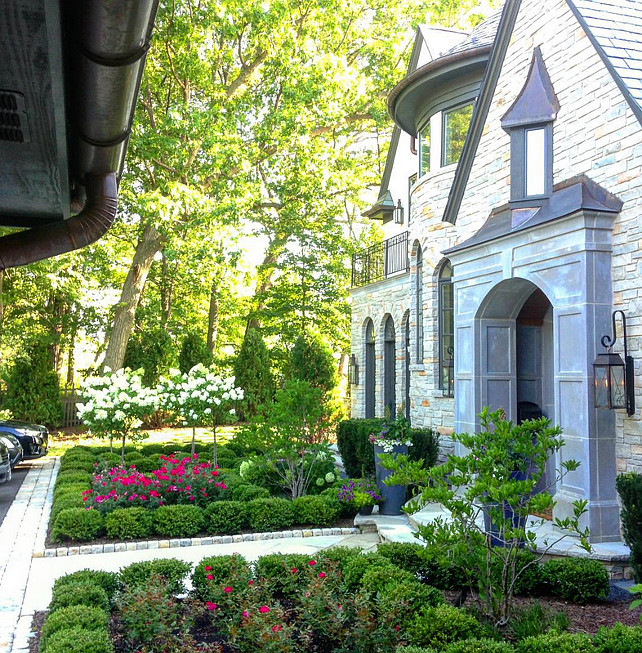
{"type": "Point", "coordinates": [614, 27]}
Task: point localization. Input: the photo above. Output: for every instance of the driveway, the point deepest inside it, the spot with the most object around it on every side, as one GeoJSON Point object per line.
{"type": "Point", "coordinates": [9, 490]}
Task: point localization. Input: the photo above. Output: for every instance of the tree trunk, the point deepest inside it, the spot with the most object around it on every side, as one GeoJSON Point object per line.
{"type": "Point", "coordinates": [266, 270]}
{"type": "Point", "coordinates": [212, 323]}
{"type": "Point", "coordinates": [149, 244]}
{"type": "Point", "coordinates": [166, 291]}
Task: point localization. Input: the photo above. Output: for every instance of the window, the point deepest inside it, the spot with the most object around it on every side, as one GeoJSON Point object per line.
{"type": "Point", "coordinates": [419, 305]}
{"type": "Point", "coordinates": [407, 368]}
{"type": "Point", "coordinates": [424, 150]}
{"type": "Point", "coordinates": [446, 329]}
{"type": "Point", "coordinates": [411, 182]}
{"type": "Point", "coordinates": [389, 368]}
{"type": "Point", "coordinates": [535, 176]}
{"type": "Point", "coordinates": [370, 370]}
{"type": "Point", "coordinates": [456, 122]}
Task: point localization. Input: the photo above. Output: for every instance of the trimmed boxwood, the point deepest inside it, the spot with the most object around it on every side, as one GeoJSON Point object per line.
{"type": "Point", "coordinates": [442, 625]}
{"type": "Point", "coordinates": [248, 492]}
{"type": "Point", "coordinates": [355, 448]}
{"type": "Point", "coordinates": [226, 517]}
{"type": "Point", "coordinates": [79, 594]}
{"type": "Point", "coordinates": [172, 570]}
{"type": "Point", "coordinates": [270, 514]}
{"type": "Point", "coordinates": [79, 640]}
{"type": "Point", "coordinates": [221, 569]}
{"type": "Point", "coordinates": [619, 639]}
{"type": "Point", "coordinates": [77, 525]}
{"type": "Point", "coordinates": [72, 477]}
{"type": "Point", "coordinates": [315, 510]}
{"type": "Point", "coordinates": [556, 643]}
{"type": "Point", "coordinates": [483, 645]}
{"type": "Point", "coordinates": [405, 598]}
{"type": "Point", "coordinates": [578, 580]}
{"type": "Point", "coordinates": [108, 580]}
{"type": "Point", "coordinates": [85, 463]}
{"type": "Point", "coordinates": [357, 566]}
{"type": "Point", "coordinates": [73, 616]}
{"type": "Point", "coordinates": [178, 521]}
{"type": "Point", "coordinates": [71, 489]}
{"type": "Point", "coordinates": [129, 523]}
{"type": "Point", "coordinates": [68, 501]}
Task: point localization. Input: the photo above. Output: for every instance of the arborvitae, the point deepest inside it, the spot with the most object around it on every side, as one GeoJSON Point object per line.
{"type": "Point", "coordinates": [253, 374]}
{"type": "Point", "coordinates": [153, 351]}
{"type": "Point", "coordinates": [194, 350]}
{"type": "Point", "coordinates": [311, 360]}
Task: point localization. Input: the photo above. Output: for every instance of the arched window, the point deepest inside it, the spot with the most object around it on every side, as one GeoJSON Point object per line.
{"type": "Point", "coordinates": [446, 329]}
{"type": "Point", "coordinates": [419, 305]}
{"type": "Point", "coordinates": [389, 368]}
{"type": "Point", "coordinates": [370, 370]}
{"type": "Point", "coordinates": [407, 369]}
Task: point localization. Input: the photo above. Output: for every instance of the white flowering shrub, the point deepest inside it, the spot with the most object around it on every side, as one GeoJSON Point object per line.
{"type": "Point", "coordinates": [115, 404]}
{"type": "Point", "coordinates": [200, 398]}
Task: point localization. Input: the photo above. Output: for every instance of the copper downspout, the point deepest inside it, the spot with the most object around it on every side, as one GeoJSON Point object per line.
{"type": "Point", "coordinates": [56, 238]}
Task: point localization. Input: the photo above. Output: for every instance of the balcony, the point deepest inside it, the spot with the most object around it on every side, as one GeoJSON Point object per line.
{"type": "Point", "coordinates": [380, 261]}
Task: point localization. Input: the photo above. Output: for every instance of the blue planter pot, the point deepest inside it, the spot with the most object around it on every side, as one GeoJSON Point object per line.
{"type": "Point", "coordinates": [394, 496]}
{"type": "Point", "coordinates": [515, 521]}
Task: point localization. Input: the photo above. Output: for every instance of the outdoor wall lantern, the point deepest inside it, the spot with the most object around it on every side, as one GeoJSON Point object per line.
{"type": "Point", "coordinates": [614, 381]}
{"type": "Point", "coordinates": [353, 371]}
{"type": "Point", "coordinates": [398, 215]}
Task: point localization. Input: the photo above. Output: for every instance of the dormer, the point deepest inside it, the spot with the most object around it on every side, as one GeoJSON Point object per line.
{"type": "Point", "coordinates": [529, 122]}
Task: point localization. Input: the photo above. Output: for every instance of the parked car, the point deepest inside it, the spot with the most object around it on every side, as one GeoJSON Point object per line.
{"type": "Point", "coordinates": [34, 438]}
{"type": "Point", "coordinates": [16, 451]}
{"type": "Point", "coordinates": [5, 463]}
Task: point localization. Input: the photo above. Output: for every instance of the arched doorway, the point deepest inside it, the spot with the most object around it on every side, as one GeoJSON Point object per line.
{"type": "Point", "coordinates": [389, 365]}
{"type": "Point", "coordinates": [370, 370]}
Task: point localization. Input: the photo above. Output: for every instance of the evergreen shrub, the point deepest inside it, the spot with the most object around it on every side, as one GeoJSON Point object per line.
{"type": "Point", "coordinates": [72, 478]}
{"type": "Point", "coordinates": [629, 487]}
{"type": "Point", "coordinates": [619, 639]}
{"type": "Point", "coordinates": [483, 645]}
{"type": "Point", "coordinates": [79, 594]}
{"type": "Point", "coordinates": [355, 567]}
{"type": "Point", "coordinates": [77, 525]}
{"type": "Point", "coordinates": [74, 616]}
{"type": "Point", "coordinates": [285, 574]}
{"type": "Point", "coordinates": [129, 523]}
{"type": "Point", "coordinates": [315, 511]}
{"type": "Point", "coordinates": [226, 517]}
{"type": "Point", "coordinates": [252, 373]}
{"type": "Point", "coordinates": [178, 521]}
{"type": "Point", "coordinates": [247, 492]}
{"type": "Point", "coordinates": [194, 350]}
{"type": "Point", "coordinates": [64, 503]}
{"type": "Point", "coordinates": [171, 570]}
{"type": "Point", "coordinates": [270, 514]}
{"type": "Point", "coordinates": [153, 351]}
{"type": "Point", "coordinates": [439, 626]}
{"type": "Point", "coordinates": [221, 569]}
{"type": "Point", "coordinates": [107, 580]}
{"type": "Point", "coordinates": [79, 640]}
{"type": "Point", "coordinates": [405, 598]}
{"type": "Point", "coordinates": [578, 580]}
{"type": "Point", "coordinates": [553, 642]}
{"type": "Point", "coordinates": [357, 452]}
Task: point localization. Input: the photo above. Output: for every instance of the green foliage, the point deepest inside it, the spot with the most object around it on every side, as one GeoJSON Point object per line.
{"type": "Point", "coordinates": [379, 579]}
{"type": "Point", "coordinates": [129, 523]}
{"type": "Point", "coordinates": [311, 360]}
{"type": "Point", "coordinates": [355, 448]}
{"type": "Point", "coordinates": [424, 446]}
{"type": "Point", "coordinates": [76, 478]}
{"type": "Point", "coordinates": [70, 489]}
{"type": "Point", "coordinates": [340, 555]}
{"type": "Point", "coordinates": [536, 619]}
{"type": "Point", "coordinates": [172, 571]}
{"type": "Point", "coordinates": [270, 514]}
{"type": "Point", "coordinates": [355, 567]}
{"type": "Point", "coordinates": [153, 351]}
{"type": "Point", "coordinates": [194, 350]}
{"type": "Point", "coordinates": [406, 555]}
{"type": "Point", "coordinates": [482, 645]}
{"type": "Point", "coordinates": [246, 492]}
{"type": "Point", "coordinates": [315, 511]}
{"type": "Point", "coordinates": [285, 574]}
{"type": "Point", "coordinates": [441, 625]}
{"type": "Point", "coordinates": [107, 580]}
{"type": "Point", "coordinates": [404, 598]}
{"type": "Point", "coordinates": [82, 593]}
{"type": "Point", "coordinates": [74, 616]}
{"type": "Point", "coordinates": [77, 525]}
{"type": "Point", "coordinates": [252, 373]}
{"type": "Point", "coordinates": [619, 639]}
{"type": "Point", "coordinates": [215, 571]}
{"type": "Point", "coordinates": [79, 640]}
{"type": "Point", "coordinates": [226, 517]}
{"type": "Point", "coordinates": [556, 643]}
{"type": "Point", "coordinates": [65, 502]}
{"type": "Point", "coordinates": [178, 521]}
{"type": "Point", "coordinates": [33, 391]}
{"type": "Point", "coordinates": [629, 487]}
{"type": "Point", "coordinates": [579, 580]}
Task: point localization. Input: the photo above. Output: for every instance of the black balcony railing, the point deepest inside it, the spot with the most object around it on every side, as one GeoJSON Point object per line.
{"type": "Point", "coordinates": [380, 261]}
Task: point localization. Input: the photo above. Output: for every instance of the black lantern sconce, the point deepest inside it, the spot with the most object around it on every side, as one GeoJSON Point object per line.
{"type": "Point", "coordinates": [398, 213]}
{"type": "Point", "coordinates": [614, 380]}
{"type": "Point", "coordinates": [353, 371]}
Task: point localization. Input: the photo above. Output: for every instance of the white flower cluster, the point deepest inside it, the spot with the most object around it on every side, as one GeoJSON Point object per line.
{"type": "Point", "coordinates": [116, 402]}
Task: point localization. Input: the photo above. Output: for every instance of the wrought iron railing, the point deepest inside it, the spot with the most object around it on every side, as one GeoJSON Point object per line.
{"type": "Point", "coordinates": [380, 261]}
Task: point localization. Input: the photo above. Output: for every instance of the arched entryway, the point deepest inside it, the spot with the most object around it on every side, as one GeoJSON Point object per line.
{"type": "Point", "coordinates": [389, 368]}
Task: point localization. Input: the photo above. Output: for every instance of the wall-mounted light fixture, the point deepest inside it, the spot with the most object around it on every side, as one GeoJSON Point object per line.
{"type": "Point", "coordinates": [353, 371]}
{"type": "Point", "coordinates": [613, 377]}
{"type": "Point", "coordinates": [398, 215]}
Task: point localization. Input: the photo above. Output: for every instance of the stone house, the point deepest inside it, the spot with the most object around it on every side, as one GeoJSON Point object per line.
{"type": "Point", "coordinates": [510, 204]}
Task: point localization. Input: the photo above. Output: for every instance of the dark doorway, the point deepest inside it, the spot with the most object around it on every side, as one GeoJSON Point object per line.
{"type": "Point", "coordinates": [370, 370]}
{"type": "Point", "coordinates": [389, 371]}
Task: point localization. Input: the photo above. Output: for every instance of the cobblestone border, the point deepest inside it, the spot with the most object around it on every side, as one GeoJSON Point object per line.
{"type": "Point", "coordinates": [118, 547]}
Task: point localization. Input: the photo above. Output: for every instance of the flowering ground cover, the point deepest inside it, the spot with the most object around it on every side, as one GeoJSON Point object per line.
{"type": "Point", "coordinates": [340, 601]}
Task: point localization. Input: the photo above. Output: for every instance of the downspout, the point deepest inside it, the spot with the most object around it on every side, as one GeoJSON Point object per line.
{"type": "Point", "coordinates": [57, 238]}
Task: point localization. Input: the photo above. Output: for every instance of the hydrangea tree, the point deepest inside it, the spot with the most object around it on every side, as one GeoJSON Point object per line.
{"type": "Point", "coordinates": [201, 398]}
{"type": "Point", "coordinates": [115, 404]}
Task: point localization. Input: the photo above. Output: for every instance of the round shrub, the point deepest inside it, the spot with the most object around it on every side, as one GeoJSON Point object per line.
{"type": "Point", "coordinates": [442, 625]}
{"type": "Point", "coordinates": [152, 449]}
{"type": "Point", "coordinates": [217, 570]}
{"type": "Point", "coordinates": [79, 594]}
{"type": "Point", "coordinates": [108, 460]}
{"type": "Point", "coordinates": [357, 566]}
{"type": "Point", "coordinates": [85, 463]}
{"type": "Point", "coordinates": [247, 492]}
{"type": "Point", "coordinates": [340, 555]}
{"type": "Point", "coordinates": [77, 525]}
{"type": "Point", "coordinates": [178, 521]}
{"type": "Point", "coordinates": [578, 580]}
{"type": "Point", "coordinates": [171, 570]}
{"type": "Point", "coordinates": [129, 523]}
{"type": "Point", "coordinates": [72, 477]}
{"type": "Point", "coordinates": [74, 616]}
{"type": "Point", "coordinates": [315, 511]}
{"type": "Point", "coordinates": [285, 574]}
{"type": "Point", "coordinates": [71, 489]}
{"type": "Point", "coordinates": [405, 598]}
{"type": "Point", "coordinates": [108, 580]}
{"type": "Point", "coordinates": [79, 640]}
{"type": "Point", "coordinates": [149, 464]}
{"type": "Point", "coordinates": [556, 643]}
{"type": "Point", "coordinates": [377, 579]}
{"type": "Point", "coordinates": [225, 517]}
{"type": "Point", "coordinates": [270, 514]}
{"type": "Point", "coordinates": [619, 639]}
{"type": "Point", "coordinates": [133, 458]}
{"type": "Point", "coordinates": [483, 645]}
{"type": "Point", "coordinates": [225, 457]}
{"type": "Point", "coordinates": [406, 555]}
{"type": "Point", "coordinates": [68, 501]}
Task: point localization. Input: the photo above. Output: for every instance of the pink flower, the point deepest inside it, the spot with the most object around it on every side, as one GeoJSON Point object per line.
{"type": "Point", "coordinates": [264, 609]}
{"type": "Point", "coordinates": [208, 568]}
{"type": "Point", "coordinates": [245, 614]}
{"type": "Point", "coordinates": [312, 563]}
{"type": "Point", "coordinates": [250, 582]}
{"type": "Point", "coordinates": [227, 590]}
{"type": "Point", "coordinates": [276, 628]}
{"type": "Point", "coordinates": [293, 570]}
{"type": "Point", "coordinates": [322, 575]}
{"type": "Point", "coordinates": [211, 606]}
{"type": "Point", "coordinates": [210, 577]}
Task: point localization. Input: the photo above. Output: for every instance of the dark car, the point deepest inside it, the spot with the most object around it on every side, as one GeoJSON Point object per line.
{"type": "Point", "coordinates": [34, 438]}
{"type": "Point", "coordinates": [13, 445]}
{"type": "Point", "coordinates": [5, 463]}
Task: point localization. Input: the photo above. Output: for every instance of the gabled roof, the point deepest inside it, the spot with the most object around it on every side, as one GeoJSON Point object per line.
{"type": "Point", "coordinates": [614, 27]}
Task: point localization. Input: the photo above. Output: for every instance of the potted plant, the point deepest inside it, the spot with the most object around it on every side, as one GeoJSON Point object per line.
{"type": "Point", "coordinates": [393, 439]}
{"type": "Point", "coordinates": [363, 493]}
